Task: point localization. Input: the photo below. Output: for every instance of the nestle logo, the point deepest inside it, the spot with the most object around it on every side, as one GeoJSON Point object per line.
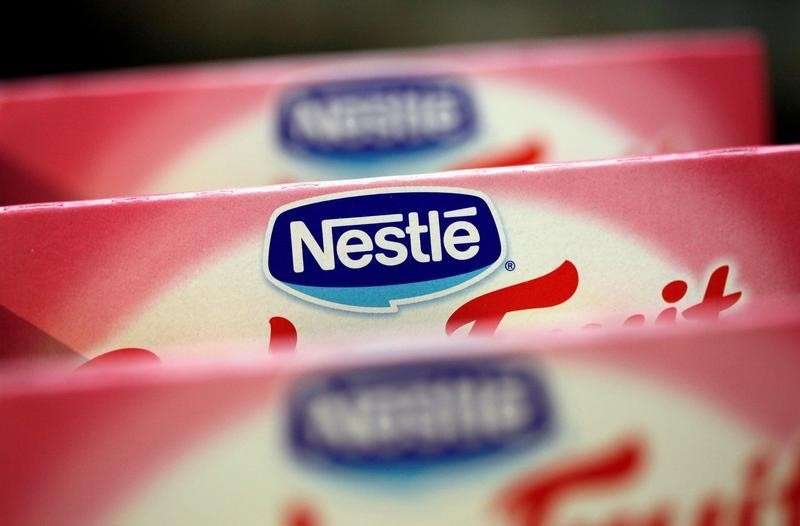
{"type": "Point", "coordinates": [411, 415]}
{"type": "Point", "coordinates": [375, 117]}
{"type": "Point", "coordinates": [370, 251]}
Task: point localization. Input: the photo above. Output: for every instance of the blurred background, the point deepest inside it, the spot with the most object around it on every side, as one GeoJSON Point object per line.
{"type": "Point", "coordinates": [89, 35]}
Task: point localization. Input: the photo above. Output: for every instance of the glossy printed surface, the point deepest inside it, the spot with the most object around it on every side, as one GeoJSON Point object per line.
{"type": "Point", "coordinates": [372, 249]}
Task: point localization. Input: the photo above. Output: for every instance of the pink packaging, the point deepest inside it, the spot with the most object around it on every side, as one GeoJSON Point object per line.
{"type": "Point", "coordinates": [661, 240]}
{"type": "Point", "coordinates": [385, 113]}
{"type": "Point", "coordinates": [688, 425]}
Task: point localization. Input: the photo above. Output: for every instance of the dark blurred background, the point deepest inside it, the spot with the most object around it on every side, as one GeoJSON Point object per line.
{"type": "Point", "coordinates": [86, 35]}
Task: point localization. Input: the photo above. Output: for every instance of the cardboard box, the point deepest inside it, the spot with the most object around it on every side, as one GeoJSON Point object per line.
{"type": "Point", "coordinates": [681, 425]}
{"type": "Point", "coordinates": [383, 113]}
{"type": "Point", "coordinates": [671, 239]}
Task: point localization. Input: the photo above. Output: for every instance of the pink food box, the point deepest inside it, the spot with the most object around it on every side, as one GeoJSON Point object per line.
{"type": "Point", "coordinates": [690, 425]}
{"type": "Point", "coordinates": [384, 113]}
{"type": "Point", "coordinates": [663, 240]}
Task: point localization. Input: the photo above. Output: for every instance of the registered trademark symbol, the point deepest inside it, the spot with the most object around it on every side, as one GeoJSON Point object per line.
{"type": "Point", "coordinates": [510, 265]}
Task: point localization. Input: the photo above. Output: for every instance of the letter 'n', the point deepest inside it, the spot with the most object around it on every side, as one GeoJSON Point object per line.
{"type": "Point", "coordinates": [301, 235]}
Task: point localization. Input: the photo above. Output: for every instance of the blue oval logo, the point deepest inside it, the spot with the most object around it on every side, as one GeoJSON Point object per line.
{"type": "Point", "coordinates": [370, 251]}
{"type": "Point", "coordinates": [363, 119]}
{"type": "Point", "coordinates": [418, 414]}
